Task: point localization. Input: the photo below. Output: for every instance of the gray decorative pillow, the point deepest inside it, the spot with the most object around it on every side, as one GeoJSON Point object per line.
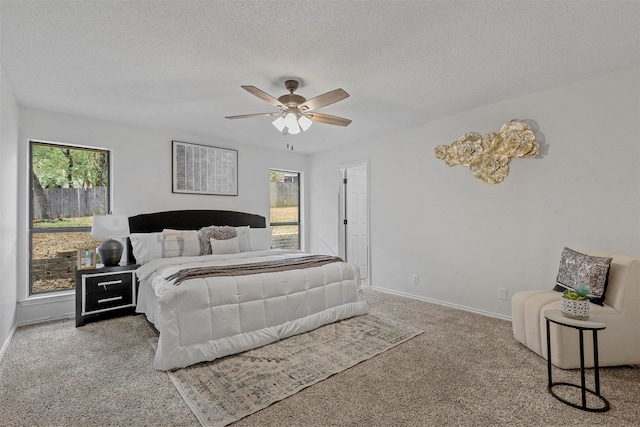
{"type": "Point", "coordinates": [577, 268]}
{"type": "Point", "coordinates": [205, 234]}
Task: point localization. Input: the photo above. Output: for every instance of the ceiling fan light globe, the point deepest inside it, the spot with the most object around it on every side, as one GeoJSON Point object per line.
{"type": "Point", "coordinates": [279, 123]}
{"type": "Point", "coordinates": [291, 122]}
{"type": "Point", "coordinates": [304, 122]}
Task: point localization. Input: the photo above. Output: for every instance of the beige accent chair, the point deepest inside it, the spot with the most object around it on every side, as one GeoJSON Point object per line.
{"type": "Point", "coordinates": [618, 344]}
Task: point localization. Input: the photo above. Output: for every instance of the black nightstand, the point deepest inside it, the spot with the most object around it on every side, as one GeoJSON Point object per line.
{"type": "Point", "coordinates": [105, 292]}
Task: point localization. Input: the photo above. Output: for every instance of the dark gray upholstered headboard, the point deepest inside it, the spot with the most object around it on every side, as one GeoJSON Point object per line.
{"type": "Point", "coordinates": [189, 220]}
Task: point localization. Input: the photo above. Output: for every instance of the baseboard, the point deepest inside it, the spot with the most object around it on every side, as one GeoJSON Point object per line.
{"type": "Point", "coordinates": [6, 343]}
{"type": "Point", "coordinates": [45, 308]}
{"type": "Point", "coordinates": [444, 303]}
{"type": "Point", "coordinates": [47, 319]}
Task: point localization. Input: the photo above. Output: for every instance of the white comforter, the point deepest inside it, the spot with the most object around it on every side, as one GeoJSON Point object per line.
{"type": "Point", "coordinates": [206, 318]}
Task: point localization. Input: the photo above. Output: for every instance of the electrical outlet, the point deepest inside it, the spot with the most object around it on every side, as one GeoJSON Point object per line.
{"type": "Point", "coordinates": [416, 279]}
{"type": "Point", "coordinates": [502, 294]}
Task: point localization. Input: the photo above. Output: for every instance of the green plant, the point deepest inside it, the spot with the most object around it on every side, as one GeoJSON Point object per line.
{"type": "Point", "coordinates": [580, 293]}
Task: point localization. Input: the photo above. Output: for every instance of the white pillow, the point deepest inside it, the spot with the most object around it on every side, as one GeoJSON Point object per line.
{"type": "Point", "coordinates": [260, 238]}
{"type": "Point", "coordinates": [243, 239]}
{"type": "Point", "coordinates": [191, 243]}
{"type": "Point", "coordinates": [181, 243]}
{"type": "Point", "coordinates": [146, 246]}
{"type": "Point", "coordinates": [227, 246]}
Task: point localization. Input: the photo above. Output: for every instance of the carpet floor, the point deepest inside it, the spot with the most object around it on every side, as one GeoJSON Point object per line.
{"type": "Point", "coordinates": [228, 389]}
{"type": "Point", "coordinates": [465, 369]}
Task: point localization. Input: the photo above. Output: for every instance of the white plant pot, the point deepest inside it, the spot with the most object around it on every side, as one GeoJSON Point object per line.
{"type": "Point", "coordinates": [575, 309]}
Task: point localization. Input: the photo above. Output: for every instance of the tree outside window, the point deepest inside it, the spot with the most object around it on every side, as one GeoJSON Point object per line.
{"type": "Point", "coordinates": [68, 186]}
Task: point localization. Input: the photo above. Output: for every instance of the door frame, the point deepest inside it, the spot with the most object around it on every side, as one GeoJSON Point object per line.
{"type": "Point", "coordinates": [342, 211]}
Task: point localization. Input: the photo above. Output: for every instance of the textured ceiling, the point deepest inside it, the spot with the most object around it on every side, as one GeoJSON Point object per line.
{"type": "Point", "coordinates": [179, 65]}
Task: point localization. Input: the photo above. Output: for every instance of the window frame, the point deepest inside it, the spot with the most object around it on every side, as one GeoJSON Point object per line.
{"type": "Point", "coordinates": [299, 196]}
{"type": "Point", "coordinates": [31, 230]}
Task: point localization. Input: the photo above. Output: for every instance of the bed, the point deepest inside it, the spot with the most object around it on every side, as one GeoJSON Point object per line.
{"type": "Point", "coordinates": [214, 305]}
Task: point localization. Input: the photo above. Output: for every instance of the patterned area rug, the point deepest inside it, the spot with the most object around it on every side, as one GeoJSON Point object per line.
{"type": "Point", "coordinates": [228, 389]}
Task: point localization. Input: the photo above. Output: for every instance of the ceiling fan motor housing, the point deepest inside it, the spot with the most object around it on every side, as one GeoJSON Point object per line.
{"type": "Point", "coordinates": [292, 100]}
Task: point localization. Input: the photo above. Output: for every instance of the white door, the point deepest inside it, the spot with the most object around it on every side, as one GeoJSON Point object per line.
{"type": "Point", "coordinates": [356, 232]}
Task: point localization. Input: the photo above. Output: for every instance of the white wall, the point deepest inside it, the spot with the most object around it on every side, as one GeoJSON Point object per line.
{"type": "Point", "coordinates": [141, 161]}
{"type": "Point", "coordinates": [8, 210]}
{"type": "Point", "coordinates": [464, 238]}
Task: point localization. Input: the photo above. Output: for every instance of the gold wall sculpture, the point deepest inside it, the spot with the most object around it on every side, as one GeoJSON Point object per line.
{"type": "Point", "coordinates": [488, 156]}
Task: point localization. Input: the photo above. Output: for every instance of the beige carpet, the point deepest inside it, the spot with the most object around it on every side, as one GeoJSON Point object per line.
{"type": "Point", "coordinates": [465, 370]}
{"type": "Point", "coordinates": [225, 390]}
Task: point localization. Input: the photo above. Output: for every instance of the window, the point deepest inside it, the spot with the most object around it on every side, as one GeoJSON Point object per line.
{"type": "Point", "coordinates": [68, 186]}
{"type": "Point", "coordinates": [284, 209]}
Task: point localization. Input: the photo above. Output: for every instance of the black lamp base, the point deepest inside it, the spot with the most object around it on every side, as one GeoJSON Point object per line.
{"type": "Point", "coordinates": [110, 252]}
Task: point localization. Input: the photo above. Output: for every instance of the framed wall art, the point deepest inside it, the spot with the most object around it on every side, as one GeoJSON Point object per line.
{"type": "Point", "coordinates": [202, 169]}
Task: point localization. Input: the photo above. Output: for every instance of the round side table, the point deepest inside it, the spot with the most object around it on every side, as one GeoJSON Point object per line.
{"type": "Point", "coordinates": [556, 316]}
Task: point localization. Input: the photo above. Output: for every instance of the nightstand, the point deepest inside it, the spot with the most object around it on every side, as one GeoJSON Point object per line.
{"type": "Point", "coordinates": [105, 292]}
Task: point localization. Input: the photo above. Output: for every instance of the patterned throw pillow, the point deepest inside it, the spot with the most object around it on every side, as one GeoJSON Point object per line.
{"type": "Point", "coordinates": [173, 246]}
{"type": "Point", "coordinates": [205, 234]}
{"type": "Point", "coordinates": [577, 268]}
{"type": "Point", "coordinates": [180, 243]}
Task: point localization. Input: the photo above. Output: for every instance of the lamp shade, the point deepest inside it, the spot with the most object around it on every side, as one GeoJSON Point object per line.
{"type": "Point", "coordinates": [110, 227]}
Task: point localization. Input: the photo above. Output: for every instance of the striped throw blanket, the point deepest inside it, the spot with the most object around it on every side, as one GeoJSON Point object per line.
{"type": "Point", "coordinates": [254, 268]}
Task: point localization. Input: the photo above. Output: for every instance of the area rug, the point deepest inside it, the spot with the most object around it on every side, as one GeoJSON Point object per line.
{"type": "Point", "coordinates": [228, 389]}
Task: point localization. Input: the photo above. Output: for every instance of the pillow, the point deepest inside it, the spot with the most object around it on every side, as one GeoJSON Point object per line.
{"type": "Point", "coordinates": [226, 246]}
{"type": "Point", "coordinates": [172, 246]}
{"type": "Point", "coordinates": [181, 243]}
{"type": "Point", "coordinates": [260, 239]}
{"type": "Point", "coordinates": [146, 246]}
{"type": "Point", "coordinates": [191, 243]}
{"type": "Point", "coordinates": [243, 239]}
{"type": "Point", "coordinates": [205, 234]}
{"type": "Point", "coordinates": [577, 268]}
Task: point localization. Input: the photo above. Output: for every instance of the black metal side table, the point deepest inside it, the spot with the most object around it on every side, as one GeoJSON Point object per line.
{"type": "Point", "coordinates": [556, 316]}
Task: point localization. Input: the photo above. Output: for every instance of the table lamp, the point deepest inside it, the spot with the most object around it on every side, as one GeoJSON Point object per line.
{"type": "Point", "coordinates": [110, 227]}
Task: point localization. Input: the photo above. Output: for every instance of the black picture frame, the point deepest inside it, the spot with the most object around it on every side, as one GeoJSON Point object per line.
{"type": "Point", "coordinates": [204, 169]}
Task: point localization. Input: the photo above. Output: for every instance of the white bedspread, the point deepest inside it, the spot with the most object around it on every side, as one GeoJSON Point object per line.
{"type": "Point", "coordinates": [206, 318]}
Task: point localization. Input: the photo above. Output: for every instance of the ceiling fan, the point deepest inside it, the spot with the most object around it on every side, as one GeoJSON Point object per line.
{"type": "Point", "coordinates": [296, 112]}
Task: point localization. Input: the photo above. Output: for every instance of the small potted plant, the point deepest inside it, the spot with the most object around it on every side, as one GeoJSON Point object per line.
{"type": "Point", "coordinates": [574, 303]}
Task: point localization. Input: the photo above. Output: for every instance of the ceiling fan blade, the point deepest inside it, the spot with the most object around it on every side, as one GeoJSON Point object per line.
{"type": "Point", "coordinates": [264, 96]}
{"type": "Point", "coordinates": [324, 99]}
{"type": "Point", "coordinates": [248, 116]}
{"type": "Point", "coordinates": [328, 119]}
